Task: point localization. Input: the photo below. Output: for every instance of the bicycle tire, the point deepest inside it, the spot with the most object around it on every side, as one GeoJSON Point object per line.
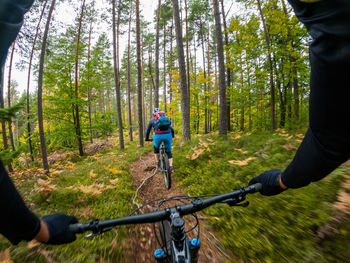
{"type": "Point", "coordinates": [165, 236]}
{"type": "Point", "coordinates": [166, 171]}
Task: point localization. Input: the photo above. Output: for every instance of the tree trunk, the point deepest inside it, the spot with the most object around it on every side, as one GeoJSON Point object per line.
{"type": "Point", "coordinates": [76, 84]}
{"type": "Point", "coordinates": [185, 98]}
{"type": "Point", "coordinates": [139, 74]}
{"type": "Point", "coordinates": [272, 85]}
{"type": "Point", "coordinates": [116, 78]}
{"type": "Point", "coordinates": [28, 81]}
{"type": "Point", "coordinates": [205, 85]}
{"type": "Point", "coordinates": [164, 73]}
{"type": "Point", "coordinates": [156, 87]}
{"type": "Point", "coordinates": [40, 89]}
{"type": "Point", "coordinates": [88, 88]}
{"type": "Point", "coordinates": [151, 83]}
{"type": "Point", "coordinates": [9, 95]}
{"type": "Point", "coordinates": [222, 84]}
{"type": "Point", "coordinates": [187, 51]}
{"type": "Point", "coordinates": [129, 83]}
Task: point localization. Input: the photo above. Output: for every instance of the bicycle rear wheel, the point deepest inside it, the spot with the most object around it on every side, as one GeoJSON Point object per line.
{"type": "Point", "coordinates": [166, 171]}
{"type": "Point", "coordinates": [165, 236]}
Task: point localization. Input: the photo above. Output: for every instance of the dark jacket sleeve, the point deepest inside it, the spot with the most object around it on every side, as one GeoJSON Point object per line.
{"type": "Point", "coordinates": [17, 222]}
{"type": "Point", "coordinates": [172, 132]}
{"type": "Point", "coordinates": [149, 127]}
{"type": "Point", "coordinates": [327, 142]}
{"type": "Point", "coordinates": [11, 20]}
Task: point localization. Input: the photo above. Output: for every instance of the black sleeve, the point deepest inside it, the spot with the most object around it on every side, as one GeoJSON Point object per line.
{"type": "Point", "coordinates": [327, 142]}
{"type": "Point", "coordinates": [11, 20]}
{"type": "Point", "coordinates": [149, 127]}
{"type": "Point", "coordinates": [172, 132]}
{"type": "Point", "coordinates": [17, 222]}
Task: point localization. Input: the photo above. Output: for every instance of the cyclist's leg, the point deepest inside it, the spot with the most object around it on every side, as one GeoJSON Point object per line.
{"type": "Point", "coordinates": [168, 147]}
{"type": "Point", "coordinates": [156, 145]}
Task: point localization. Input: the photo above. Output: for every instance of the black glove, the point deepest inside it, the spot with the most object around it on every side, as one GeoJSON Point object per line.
{"type": "Point", "coordinates": [58, 225]}
{"type": "Point", "coordinates": [270, 182]}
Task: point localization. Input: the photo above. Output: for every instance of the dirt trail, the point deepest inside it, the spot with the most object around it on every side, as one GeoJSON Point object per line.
{"type": "Point", "coordinates": [142, 243]}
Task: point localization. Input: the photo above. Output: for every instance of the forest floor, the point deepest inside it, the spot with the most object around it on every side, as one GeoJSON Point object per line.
{"type": "Point", "coordinates": [150, 186]}
{"type": "Point", "coordinates": [311, 224]}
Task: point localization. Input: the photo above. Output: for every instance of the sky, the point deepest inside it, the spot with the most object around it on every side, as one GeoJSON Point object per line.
{"type": "Point", "coordinates": [66, 14]}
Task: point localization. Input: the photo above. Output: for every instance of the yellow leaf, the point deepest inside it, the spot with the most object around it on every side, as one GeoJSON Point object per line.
{"type": "Point", "coordinates": [92, 174]}
{"type": "Point", "coordinates": [144, 240]}
{"type": "Point", "coordinates": [196, 154]}
{"type": "Point", "coordinates": [243, 162]}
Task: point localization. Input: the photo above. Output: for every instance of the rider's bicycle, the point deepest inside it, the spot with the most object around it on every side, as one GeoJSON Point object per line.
{"type": "Point", "coordinates": [175, 246]}
{"type": "Point", "coordinates": [164, 165]}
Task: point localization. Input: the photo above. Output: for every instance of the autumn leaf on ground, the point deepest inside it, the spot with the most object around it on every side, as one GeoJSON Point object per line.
{"type": "Point", "coordinates": [298, 141]}
{"type": "Point", "coordinates": [241, 151]}
{"type": "Point", "coordinates": [86, 212]}
{"type": "Point", "coordinates": [70, 166]}
{"type": "Point", "coordinates": [32, 244]}
{"type": "Point", "coordinates": [5, 256]}
{"type": "Point", "coordinates": [299, 135]}
{"type": "Point", "coordinates": [113, 170]}
{"type": "Point", "coordinates": [284, 134]}
{"type": "Point", "coordinates": [289, 147]}
{"type": "Point", "coordinates": [236, 137]}
{"type": "Point", "coordinates": [243, 162]}
{"type": "Point", "coordinates": [92, 174]}
{"type": "Point", "coordinates": [44, 186]}
{"type": "Point", "coordinates": [114, 181]}
{"type": "Point", "coordinates": [196, 153]}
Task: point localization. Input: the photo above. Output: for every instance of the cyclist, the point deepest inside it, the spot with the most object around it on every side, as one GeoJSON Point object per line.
{"type": "Point", "coordinates": [17, 222]}
{"type": "Point", "coordinates": [165, 134]}
{"type": "Point", "coordinates": [326, 144]}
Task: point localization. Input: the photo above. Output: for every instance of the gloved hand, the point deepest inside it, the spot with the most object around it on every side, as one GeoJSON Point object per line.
{"type": "Point", "coordinates": [58, 225]}
{"type": "Point", "coordinates": [270, 182]}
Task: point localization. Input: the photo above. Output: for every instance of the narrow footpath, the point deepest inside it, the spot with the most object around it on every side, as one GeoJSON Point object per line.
{"type": "Point", "coordinates": [142, 242]}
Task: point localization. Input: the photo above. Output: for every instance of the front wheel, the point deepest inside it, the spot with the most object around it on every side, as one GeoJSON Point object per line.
{"type": "Point", "coordinates": [165, 236]}
{"type": "Point", "coordinates": [166, 171]}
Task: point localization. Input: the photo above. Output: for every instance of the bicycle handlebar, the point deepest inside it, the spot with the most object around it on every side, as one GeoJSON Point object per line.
{"type": "Point", "coordinates": [196, 205]}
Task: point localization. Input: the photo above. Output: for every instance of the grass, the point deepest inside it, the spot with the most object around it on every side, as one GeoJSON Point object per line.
{"type": "Point", "coordinates": [271, 229]}
{"type": "Point", "coordinates": [67, 191]}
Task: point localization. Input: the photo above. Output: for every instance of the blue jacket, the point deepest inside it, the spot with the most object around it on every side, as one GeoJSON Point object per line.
{"type": "Point", "coordinates": [151, 125]}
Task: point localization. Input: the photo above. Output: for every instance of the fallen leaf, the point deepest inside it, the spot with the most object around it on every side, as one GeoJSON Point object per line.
{"type": "Point", "coordinates": [299, 135]}
{"type": "Point", "coordinates": [5, 256]}
{"type": "Point", "coordinates": [241, 151]}
{"type": "Point", "coordinates": [289, 147]}
{"type": "Point", "coordinates": [114, 181]}
{"type": "Point", "coordinates": [236, 137]}
{"type": "Point", "coordinates": [243, 162]}
{"type": "Point", "coordinates": [44, 186]}
{"type": "Point", "coordinates": [92, 174]}
{"type": "Point", "coordinates": [196, 154]}
{"type": "Point", "coordinates": [31, 244]}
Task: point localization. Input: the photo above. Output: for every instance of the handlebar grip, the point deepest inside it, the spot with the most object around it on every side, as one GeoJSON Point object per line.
{"type": "Point", "coordinates": [76, 228]}
{"type": "Point", "coordinates": [258, 187]}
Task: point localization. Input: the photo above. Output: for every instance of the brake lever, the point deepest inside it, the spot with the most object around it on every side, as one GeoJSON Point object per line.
{"type": "Point", "coordinates": [93, 234]}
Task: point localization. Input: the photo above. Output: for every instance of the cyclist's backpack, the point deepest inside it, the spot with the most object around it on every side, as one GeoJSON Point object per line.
{"type": "Point", "coordinates": [161, 121]}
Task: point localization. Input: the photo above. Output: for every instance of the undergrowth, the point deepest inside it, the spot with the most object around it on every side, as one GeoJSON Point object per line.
{"type": "Point", "coordinates": [97, 186]}
{"type": "Point", "coordinates": [271, 229]}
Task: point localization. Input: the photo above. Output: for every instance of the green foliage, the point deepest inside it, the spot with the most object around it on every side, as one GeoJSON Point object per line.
{"type": "Point", "coordinates": [285, 223]}
{"type": "Point", "coordinates": [108, 168]}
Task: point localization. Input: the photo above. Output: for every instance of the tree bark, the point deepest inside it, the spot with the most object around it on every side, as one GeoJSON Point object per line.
{"type": "Point", "coordinates": [40, 89]}
{"type": "Point", "coordinates": [272, 85]}
{"type": "Point", "coordinates": [76, 84]}
{"type": "Point", "coordinates": [228, 70]}
{"type": "Point", "coordinates": [129, 83]}
{"type": "Point", "coordinates": [222, 83]}
{"type": "Point", "coordinates": [185, 96]}
{"type": "Point", "coordinates": [88, 88]}
{"type": "Point", "coordinates": [9, 95]}
{"type": "Point", "coordinates": [139, 74]}
{"type": "Point", "coordinates": [28, 81]}
{"type": "Point", "coordinates": [156, 87]}
{"type": "Point", "coordinates": [116, 79]}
